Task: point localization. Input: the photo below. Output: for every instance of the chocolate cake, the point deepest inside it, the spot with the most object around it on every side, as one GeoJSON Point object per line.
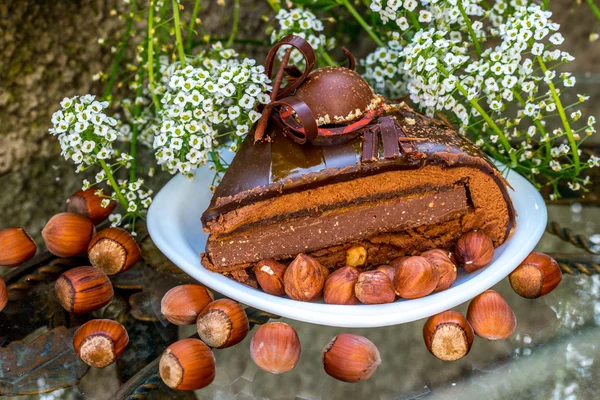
{"type": "Point", "coordinates": [391, 181]}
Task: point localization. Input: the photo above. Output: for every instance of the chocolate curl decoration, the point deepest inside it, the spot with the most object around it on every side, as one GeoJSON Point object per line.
{"type": "Point", "coordinates": [303, 127]}
{"type": "Point", "coordinates": [277, 93]}
{"type": "Point", "coordinates": [351, 59]}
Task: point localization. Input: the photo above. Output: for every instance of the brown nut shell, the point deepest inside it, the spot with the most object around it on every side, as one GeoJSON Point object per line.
{"type": "Point", "coordinates": [350, 358]}
{"type": "Point", "coordinates": [16, 247]}
{"type": "Point", "coordinates": [448, 335]}
{"type": "Point", "coordinates": [374, 287]}
{"type": "Point", "coordinates": [222, 323]}
{"type": "Point", "coordinates": [3, 294]}
{"type": "Point", "coordinates": [415, 278]}
{"type": "Point", "coordinates": [474, 250]}
{"type": "Point", "coordinates": [275, 347]}
{"type": "Point", "coordinates": [339, 287]}
{"type": "Point", "coordinates": [395, 263]}
{"type": "Point", "coordinates": [187, 364]}
{"type": "Point", "coordinates": [269, 274]}
{"type": "Point", "coordinates": [83, 289]}
{"type": "Point", "coordinates": [491, 317]}
{"type": "Point", "coordinates": [536, 276]}
{"type": "Point", "coordinates": [304, 278]}
{"type": "Point", "coordinates": [182, 304]}
{"type": "Point", "coordinates": [442, 261]}
{"type": "Point", "coordinates": [88, 203]}
{"type": "Point", "coordinates": [68, 234]}
{"type": "Point", "coordinates": [114, 250]}
{"type": "Point", "coordinates": [388, 270]}
{"type": "Point", "coordinates": [100, 342]}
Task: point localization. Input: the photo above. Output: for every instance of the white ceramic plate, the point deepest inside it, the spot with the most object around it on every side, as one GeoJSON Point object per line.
{"type": "Point", "coordinates": [174, 225]}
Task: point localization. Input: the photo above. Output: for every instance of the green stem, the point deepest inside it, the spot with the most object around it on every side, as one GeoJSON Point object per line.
{"type": "Point", "coordinates": [538, 125]}
{"type": "Point", "coordinates": [190, 34]}
{"type": "Point", "coordinates": [274, 5]}
{"type": "Point", "coordinates": [415, 21]}
{"type": "Point", "coordinates": [137, 109]}
{"type": "Point", "coordinates": [113, 184]}
{"type": "Point", "coordinates": [119, 55]}
{"type": "Point", "coordinates": [487, 118]}
{"type": "Point", "coordinates": [563, 117]}
{"type": "Point", "coordinates": [362, 22]}
{"type": "Point", "coordinates": [151, 56]}
{"type": "Point", "coordinates": [236, 20]}
{"type": "Point", "coordinates": [179, 43]}
{"type": "Point", "coordinates": [327, 58]}
{"type": "Point", "coordinates": [594, 8]}
{"type": "Point", "coordinates": [469, 27]}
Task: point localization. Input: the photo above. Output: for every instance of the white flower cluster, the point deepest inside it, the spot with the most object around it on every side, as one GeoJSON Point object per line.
{"type": "Point", "coordinates": [301, 23]}
{"type": "Point", "coordinates": [202, 101]}
{"type": "Point", "coordinates": [85, 133]}
{"type": "Point", "coordinates": [146, 122]}
{"type": "Point", "coordinates": [383, 70]}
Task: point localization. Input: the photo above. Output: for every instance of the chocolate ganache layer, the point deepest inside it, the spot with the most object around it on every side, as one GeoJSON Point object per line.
{"type": "Point", "coordinates": [279, 198]}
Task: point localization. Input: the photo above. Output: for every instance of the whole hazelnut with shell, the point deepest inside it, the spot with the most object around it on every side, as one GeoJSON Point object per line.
{"type": "Point", "coordinates": [304, 278]}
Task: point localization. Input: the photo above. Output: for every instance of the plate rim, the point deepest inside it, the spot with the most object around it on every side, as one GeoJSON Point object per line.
{"type": "Point", "coordinates": [344, 315]}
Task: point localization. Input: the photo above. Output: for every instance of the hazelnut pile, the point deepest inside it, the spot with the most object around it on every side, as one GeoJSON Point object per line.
{"type": "Point", "coordinates": [189, 364]}
{"type": "Point", "coordinates": [406, 277]}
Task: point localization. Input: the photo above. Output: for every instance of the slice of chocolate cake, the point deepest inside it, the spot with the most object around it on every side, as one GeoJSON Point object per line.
{"type": "Point", "coordinates": [419, 189]}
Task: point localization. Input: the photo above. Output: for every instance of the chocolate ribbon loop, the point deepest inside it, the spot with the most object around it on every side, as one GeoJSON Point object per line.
{"type": "Point", "coordinates": [302, 126]}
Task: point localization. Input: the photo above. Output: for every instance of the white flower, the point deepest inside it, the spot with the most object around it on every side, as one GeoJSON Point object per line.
{"type": "Point", "coordinates": [88, 146]}
{"type": "Point", "coordinates": [556, 38]}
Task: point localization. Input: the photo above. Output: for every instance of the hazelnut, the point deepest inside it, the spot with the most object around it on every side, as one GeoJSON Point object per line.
{"type": "Point", "coordinates": [350, 358]}
{"type": "Point", "coordinates": [16, 247]}
{"type": "Point", "coordinates": [68, 234]}
{"type": "Point", "coordinates": [83, 289]}
{"type": "Point", "coordinates": [304, 278]}
{"type": "Point", "coordinates": [397, 261]}
{"type": "Point", "coordinates": [388, 270]}
{"type": "Point", "coordinates": [88, 203]}
{"type": "Point", "coordinates": [3, 294]}
{"type": "Point", "coordinates": [187, 364]}
{"type": "Point", "coordinates": [100, 342]}
{"type": "Point", "coordinates": [114, 250]}
{"type": "Point", "coordinates": [374, 287]}
{"type": "Point", "coordinates": [448, 335]}
{"type": "Point", "coordinates": [474, 250]}
{"type": "Point", "coordinates": [269, 274]}
{"type": "Point", "coordinates": [415, 277]}
{"type": "Point", "coordinates": [356, 256]}
{"type": "Point", "coordinates": [182, 304]}
{"type": "Point", "coordinates": [491, 317]}
{"type": "Point", "coordinates": [536, 276]}
{"type": "Point", "coordinates": [339, 287]}
{"type": "Point", "coordinates": [442, 261]}
{"type": "Point", "coordinates": [275, 347]}
{"type": "Point", "coordinates": [222, 323]}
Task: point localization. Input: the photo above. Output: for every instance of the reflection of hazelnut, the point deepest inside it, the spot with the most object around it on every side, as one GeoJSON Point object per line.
{"type": "Point", "coordinates": [182, 304]}
{"type": "Point", "coordinates": [374, 287]}
{"type": "Point", "coordinates": [16, 247]}
{"type": "Point", "coordinates": [222, 323]}
{"type": "Point", "coordinates": [187, 364]}
{"type": "Point", "coordinates": [269, 274]}
{"type": "Point", "coordinates": [275, 347]}
{"type": "Point", "coordinates": [474, 250]}
{"type": "Point", "coordinates": [448, 335]}
{"type": "Point", "coordinates": [491, 317]}
{"type": "Point", "coordinates": [441, 260]}
{"type": "Point", "coordinates": [536, 276]}
{"type": "Point", "coordinates": [304, 278]}
{"type": "Point", "coordinates": [356, 256]}
{"type": "Point", "coordinates": [3, 294]}
{"type": "Point", "coordinates": [100, 342]}
{"type": "Point", "coordinates": [339, 287]}
{"type": "Point", "coordinates": [415, 277]}
{"type": "Point", "coordinates": [114, 250]}
{"type": "Point", "coordinates": [350, 358]}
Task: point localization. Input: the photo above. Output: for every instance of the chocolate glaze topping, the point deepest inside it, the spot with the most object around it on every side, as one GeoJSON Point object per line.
{"type": "Point", "coordinates": [270, 168]}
